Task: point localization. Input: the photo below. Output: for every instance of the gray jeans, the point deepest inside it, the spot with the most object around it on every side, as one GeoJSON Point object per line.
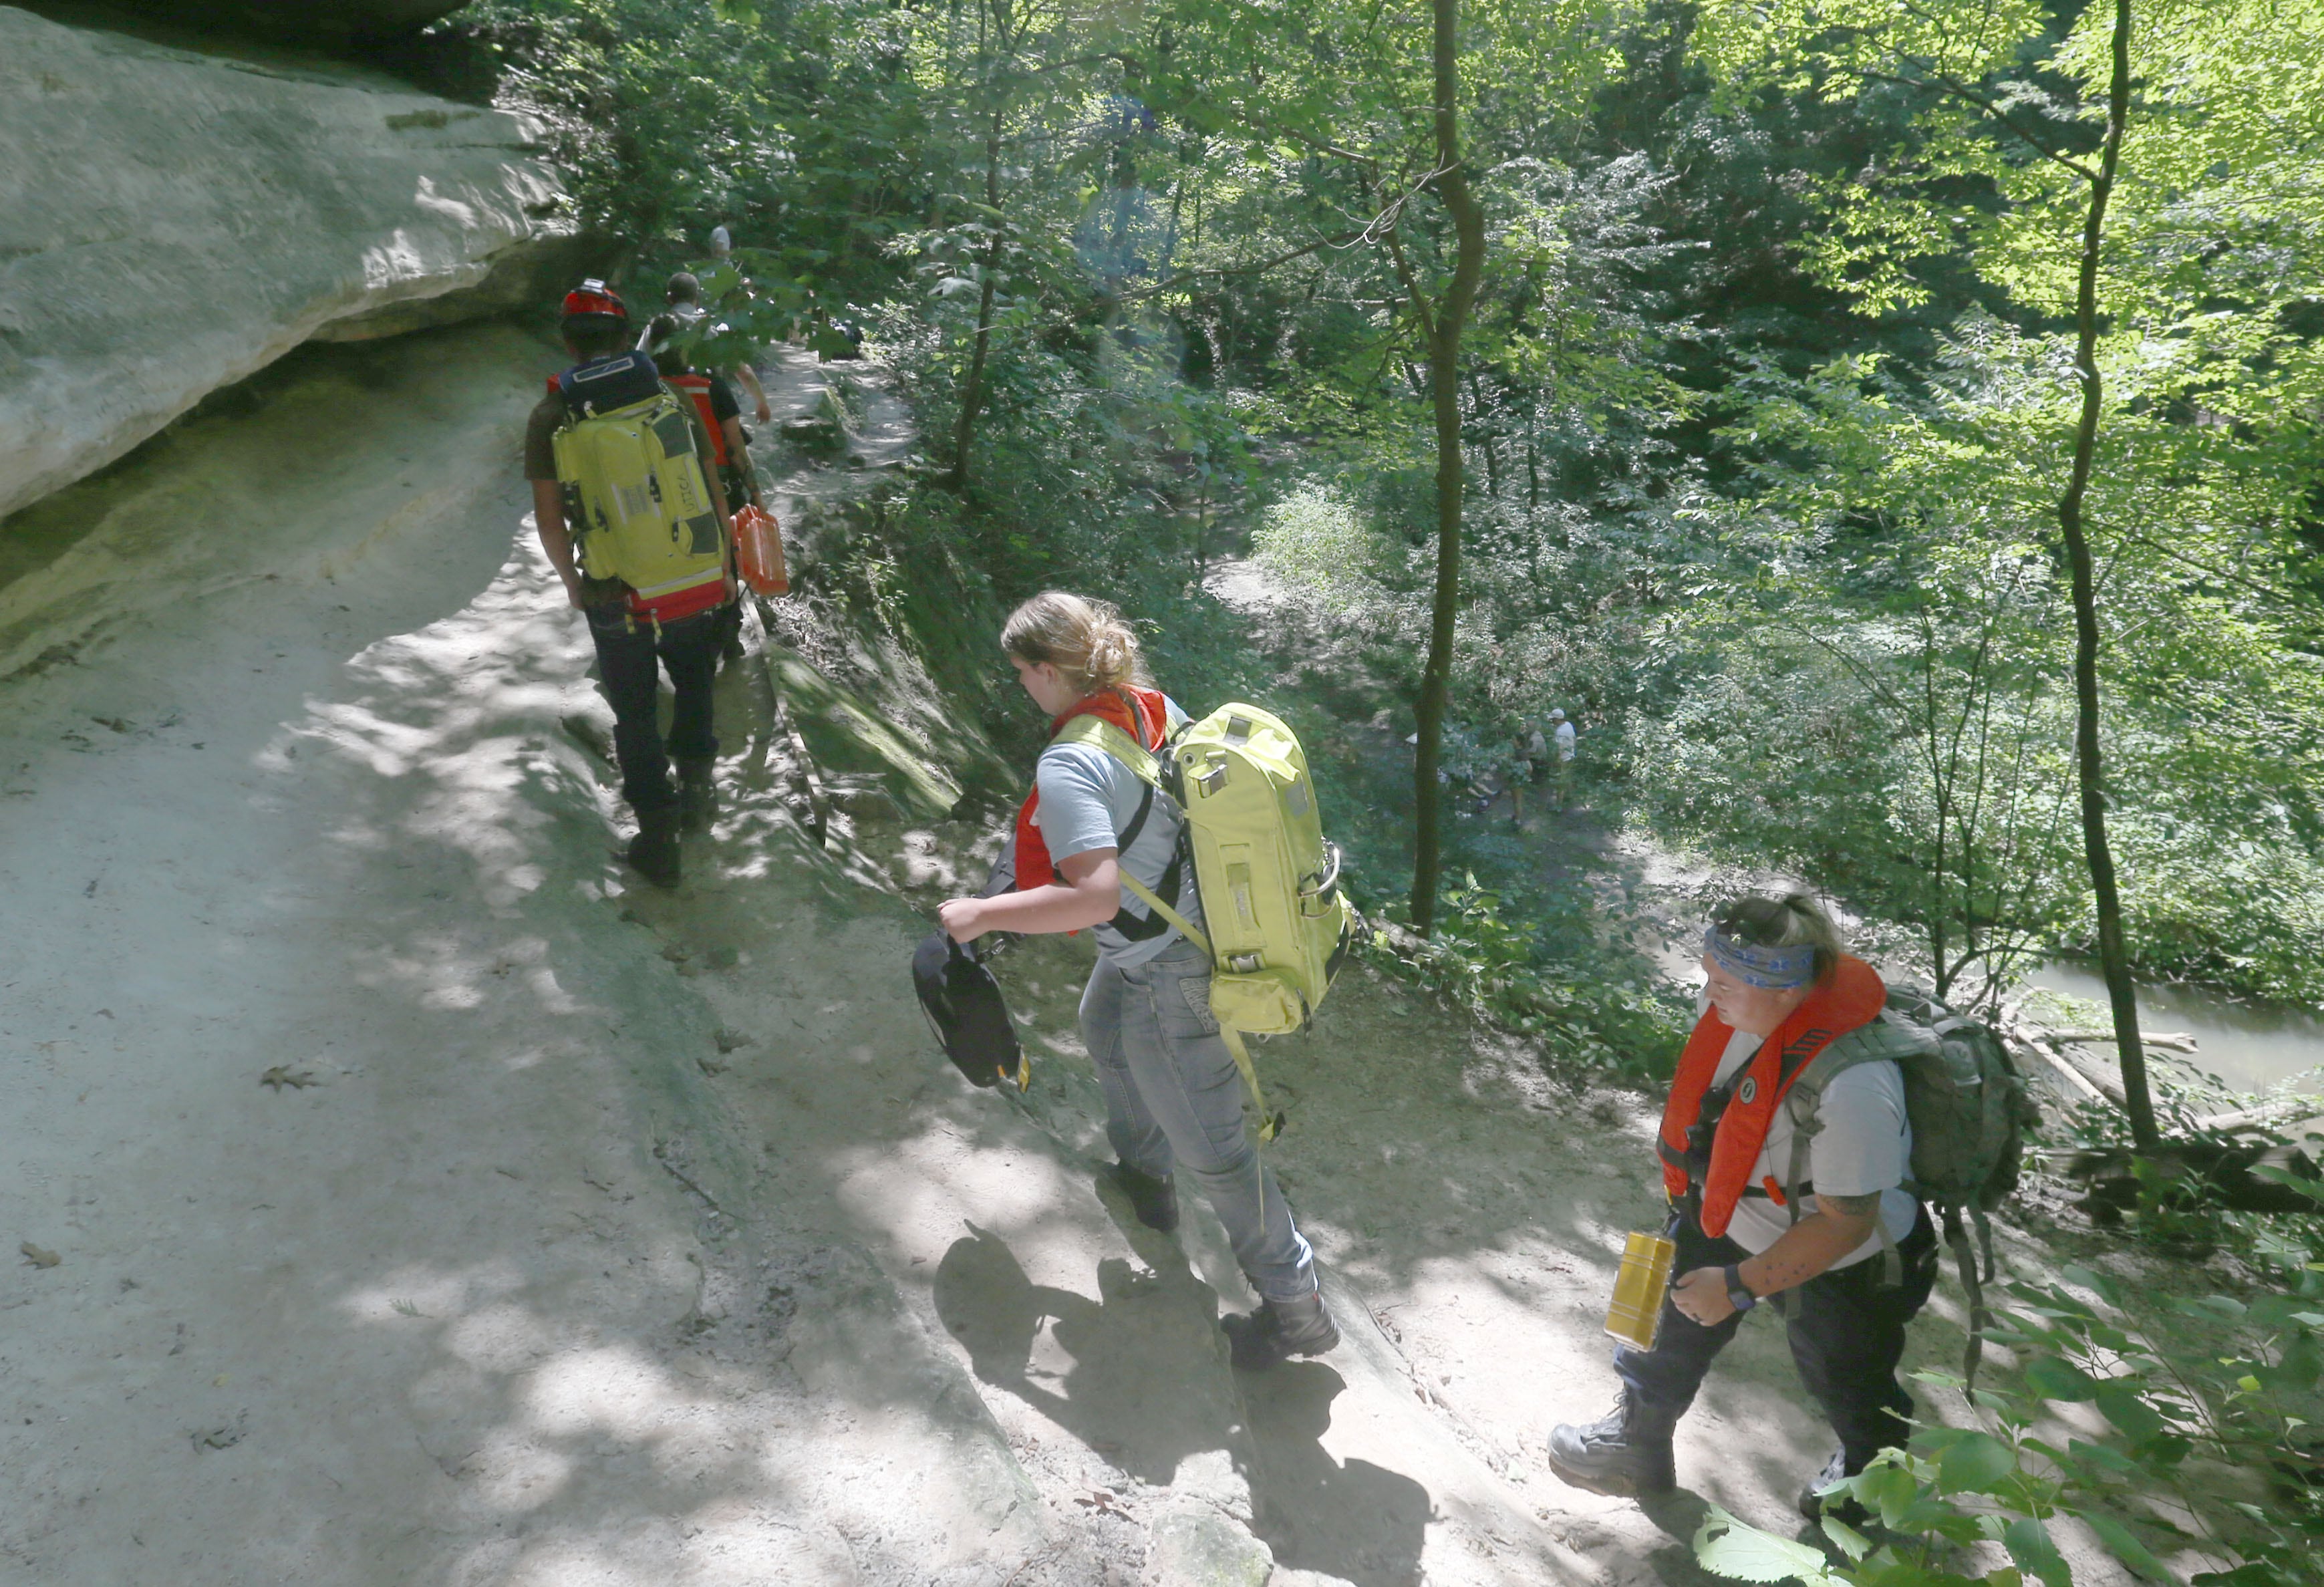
{"type": "Point", "coordinates": [1174, 1100]}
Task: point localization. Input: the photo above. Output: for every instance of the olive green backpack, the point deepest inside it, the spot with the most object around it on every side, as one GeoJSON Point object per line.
{"type": "Point", "coordinates": [1969, 1109]}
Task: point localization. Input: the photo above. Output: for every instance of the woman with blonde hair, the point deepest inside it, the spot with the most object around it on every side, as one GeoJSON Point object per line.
{"type": "Point", "coordinates": [1173, 1095]}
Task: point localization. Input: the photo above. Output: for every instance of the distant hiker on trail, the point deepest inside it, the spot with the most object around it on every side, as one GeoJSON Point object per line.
{"type": "Point", "coordinates": [730, 444]}
{"type": "Point", "coordinates": [1528, 766]}
{"type": "Point", "coordinates": [634, 526]}
{"type": "Point", "coordinates": [1845, 1253]}
{"type": "Point", "coordinates": [1173, 1094]}
{"type": "Point", "coordinates": [682, 298]}
{"type": "Point", "coordinates": [1560, 761]}
{"type": "Point", "coordinates": [721, 412]}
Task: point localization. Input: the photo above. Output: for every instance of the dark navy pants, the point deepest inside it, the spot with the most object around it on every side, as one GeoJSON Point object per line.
{"type": "Point", "coordinates": [1847, 1331]}
{"type": "Point", "coordinates": [630, 654]}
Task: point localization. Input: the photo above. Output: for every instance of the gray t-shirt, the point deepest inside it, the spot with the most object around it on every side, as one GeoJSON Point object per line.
{"type": "Point", "coordinates": [1865, 1145]}
{"type": "Point", "coordinates": [1088, 800]}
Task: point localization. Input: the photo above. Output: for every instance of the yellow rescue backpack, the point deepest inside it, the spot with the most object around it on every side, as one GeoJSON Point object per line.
{"type": "Point", "coordinates": [1280, 927]}
{"type": "Point", "coordinates": [637, 502]}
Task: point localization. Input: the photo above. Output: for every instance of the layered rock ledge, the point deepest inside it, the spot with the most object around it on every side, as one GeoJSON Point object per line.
{"type": "Point", "coordinates": [171, 222]}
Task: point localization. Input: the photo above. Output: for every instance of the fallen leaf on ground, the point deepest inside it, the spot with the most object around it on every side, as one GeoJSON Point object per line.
{"type": "Point", "coordinates": [282, 1075]}
{"type": "Point", "coordinates": [39, 1256]}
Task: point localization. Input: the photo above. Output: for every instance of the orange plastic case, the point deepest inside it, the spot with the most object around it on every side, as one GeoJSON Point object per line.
{"type": "Point", "coordinates": [759, 551]}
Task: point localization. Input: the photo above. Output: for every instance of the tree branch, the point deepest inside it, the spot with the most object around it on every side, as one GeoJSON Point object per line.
{"type": "Point", "coordinates": [1947, 84]}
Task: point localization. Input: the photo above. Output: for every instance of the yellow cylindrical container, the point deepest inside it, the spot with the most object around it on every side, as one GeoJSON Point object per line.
{"type": "Point", "coordinates": [1636, 1315]}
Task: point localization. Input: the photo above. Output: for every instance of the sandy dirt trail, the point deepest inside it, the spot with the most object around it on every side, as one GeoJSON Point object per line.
{"type": "Point", "coordinates": [467, 1292]}
{"type": "Point", "coordinates": [427, 1205]}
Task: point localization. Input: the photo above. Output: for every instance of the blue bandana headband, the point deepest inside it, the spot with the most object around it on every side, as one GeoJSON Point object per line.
{"type": "Point", "coordinates": [1772, 969]}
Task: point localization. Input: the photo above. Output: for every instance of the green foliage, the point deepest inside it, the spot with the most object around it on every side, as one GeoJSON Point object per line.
{"type": "Point", "coordinates": [1589, 1007]}
{"type": "Point", "coordinates": [2209, 1461]}
{"type": "Point", "coordinates": [794, 125]}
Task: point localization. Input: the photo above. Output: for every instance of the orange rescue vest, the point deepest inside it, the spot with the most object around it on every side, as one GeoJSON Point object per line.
{"type": "Point", "coordinates": [1850, 998]}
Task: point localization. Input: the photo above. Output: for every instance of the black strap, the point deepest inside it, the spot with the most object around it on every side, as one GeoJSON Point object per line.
{"type": "Point", "coordinates": [1137, 822]}
{"type": "Point", "coordinates": [1138, 928]}
{"type": "Point", "coordinates": [1143, 928]}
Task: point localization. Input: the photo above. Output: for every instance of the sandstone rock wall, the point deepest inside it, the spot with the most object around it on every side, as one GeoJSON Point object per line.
{"type": "Point", "coordinates": [303, 18]}
{"type": "Point", "coordinates": [171, 222]}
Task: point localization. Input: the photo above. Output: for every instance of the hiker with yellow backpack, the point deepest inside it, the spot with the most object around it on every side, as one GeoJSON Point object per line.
{"type": "Point", "coordinates": [636, 527]}
{"type": "Point", "coordinates": [1195, 851]}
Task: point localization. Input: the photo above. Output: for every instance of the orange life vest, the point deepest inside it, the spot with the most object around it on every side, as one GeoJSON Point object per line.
{"type": "Point", "coordinates": [1149, 725]}
{"type": "Point", "coordinates": [697, 386]}
{"type": "Point", "coordinates": [1851, 997]}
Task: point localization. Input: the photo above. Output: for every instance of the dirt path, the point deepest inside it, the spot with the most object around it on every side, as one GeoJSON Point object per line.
{"type": "Point", "coordinates": [588, 1235]}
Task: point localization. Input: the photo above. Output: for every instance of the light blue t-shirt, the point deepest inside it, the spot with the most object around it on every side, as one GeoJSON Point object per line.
{"type": "Point", "coordinates": [1088, 800]}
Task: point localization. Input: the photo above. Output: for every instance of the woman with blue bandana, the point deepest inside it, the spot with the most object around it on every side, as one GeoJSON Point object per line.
{"type": "Point", "coordinates": [1803, 1206]}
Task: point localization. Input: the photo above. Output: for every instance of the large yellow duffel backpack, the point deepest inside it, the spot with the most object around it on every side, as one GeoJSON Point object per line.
{"type": "Point", "coordinates": [1278, 926]}
{"type": "Point", "coordinates": [638, 504]}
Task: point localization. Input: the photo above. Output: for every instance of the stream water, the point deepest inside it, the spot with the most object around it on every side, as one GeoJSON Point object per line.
{"type": "Point", "coordinates": [2252, 1047]}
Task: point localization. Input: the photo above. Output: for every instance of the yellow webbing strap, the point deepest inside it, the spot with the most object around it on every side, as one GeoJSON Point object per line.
{"type": "Point", "coordinates": [1271, 1125]}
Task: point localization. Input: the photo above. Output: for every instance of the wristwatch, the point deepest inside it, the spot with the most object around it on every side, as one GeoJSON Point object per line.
{"type": "Point", "coordinates": [1739, 1294]}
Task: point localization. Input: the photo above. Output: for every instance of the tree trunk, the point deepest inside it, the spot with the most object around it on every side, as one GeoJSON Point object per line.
{"type": "Point", "coordinates": [972, 391]}
{"type": "Point", "coordinates": [2113, 958]}
{"type": "Point", "coordinates": [1444, 387]}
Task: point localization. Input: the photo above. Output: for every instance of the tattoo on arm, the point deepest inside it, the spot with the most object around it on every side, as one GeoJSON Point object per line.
{"type": "Point", "coordinates": [1850, 1206]}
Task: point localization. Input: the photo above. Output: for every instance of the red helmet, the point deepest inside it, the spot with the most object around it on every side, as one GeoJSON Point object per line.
{"type": "Point", "coordinates": [593, 297]}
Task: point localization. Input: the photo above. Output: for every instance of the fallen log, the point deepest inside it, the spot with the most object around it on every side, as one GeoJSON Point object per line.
{"type": "Point", "coordinates": [2218, 1172]}
{"type": "Point", "coordinates": [2289, 1110]}
{"type": "Point", "coordinates": [2177, 1041]}
{"type": "Point", "coordinates": [2085, 1077]}
{"type": "Point", "coordinates": [2075, 1080]}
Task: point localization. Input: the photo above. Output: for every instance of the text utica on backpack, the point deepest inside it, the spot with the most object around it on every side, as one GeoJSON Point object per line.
{"type": "Point", "coordinates": [1280, 927]}
{"type": "Point", "coordinates": [636, 500]}
{"type": "Point", "coordinates": [1970, 1111]}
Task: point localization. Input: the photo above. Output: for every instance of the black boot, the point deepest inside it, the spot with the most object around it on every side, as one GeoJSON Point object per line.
{"type": "Point", "coordinates": [1154, 1200]}
{"type": "Point", "coordinates": [1839, 1507]}
{"type": "Point", "coordinates": [697, 794]}
{"type": "Point", "coordinates": [1279, 1330]}
{"type": "Point", "coordinates": [654, 851]}
{"type": "Point", "coordinates": [1625, 1452]}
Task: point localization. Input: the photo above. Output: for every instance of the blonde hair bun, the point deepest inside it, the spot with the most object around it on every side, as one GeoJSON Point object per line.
{"type": "Point", "coordinates": [1088, 642]}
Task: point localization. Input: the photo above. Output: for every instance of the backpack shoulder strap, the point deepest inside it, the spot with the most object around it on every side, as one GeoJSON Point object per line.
{"type": "Point", "coordinates": [1089, 729]}
{"type": "Point", "coordinates": [1884, 1039]}
{"type": "Point", "coordinates": [1092, 729]}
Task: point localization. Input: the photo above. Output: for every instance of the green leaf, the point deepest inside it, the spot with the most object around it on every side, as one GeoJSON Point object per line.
{"type": "Point", "coordinates": [1851, 1542]}
{"type": "Point", "coordinates": [2122, 1404]}
{"type": "Point", "coordinates": [2098, 1284]}
{"type": "Point", "coordinates": [1976, 1464]}
{"type": "Point", "coordinates": [2029, 1545]}
{"type": "Point", "coordinates": [1728, 1548]}
{"type": "Point", "coordinates": [1887, 1488]}
{"type": "Point", "coordinates": [2125, 1547]}
{"type": "Point", "coordinates": [2053, 1379]}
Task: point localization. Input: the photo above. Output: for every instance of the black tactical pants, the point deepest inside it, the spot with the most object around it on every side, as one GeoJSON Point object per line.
{"type": "Point", "coordinates": [1847, 1330]}
{"type": "Point", "coordinates": [630, 654]}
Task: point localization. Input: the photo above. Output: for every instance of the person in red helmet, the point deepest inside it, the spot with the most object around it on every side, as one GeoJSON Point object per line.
{"type": "Point", "coordinates": [673, 625]}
